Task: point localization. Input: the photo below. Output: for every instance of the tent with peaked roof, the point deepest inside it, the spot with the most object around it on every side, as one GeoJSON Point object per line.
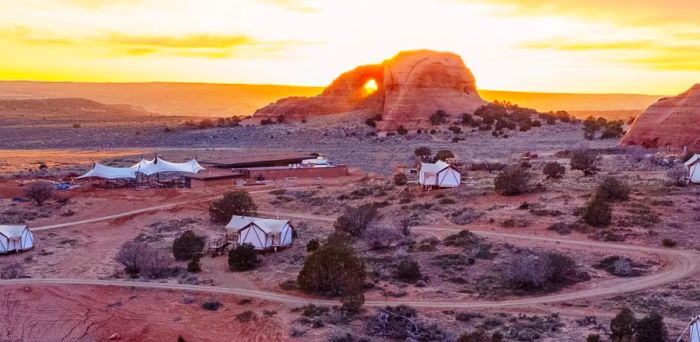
{"type": "Point", "coordinates": [158, 165]}
{"type": "Point", "coordinates": [260, 232]}
{"type": "Point", "coordinates": [15, 238]}
{"type": "Point", "coordinates": [439, 174]}
{"type": "Point", "coordinates": [692, 167]}
{"type": "Point", "coordinates": [109, 172]}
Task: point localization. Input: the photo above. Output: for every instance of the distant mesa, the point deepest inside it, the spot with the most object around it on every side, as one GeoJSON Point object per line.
{"type": "Point", "coordinates": [672, 122]}
{"type": "Point", "coordinates": [405, 90]}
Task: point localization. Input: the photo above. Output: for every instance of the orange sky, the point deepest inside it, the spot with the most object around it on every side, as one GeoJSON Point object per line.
{"type": "Point", "coordinates": [602, 46]}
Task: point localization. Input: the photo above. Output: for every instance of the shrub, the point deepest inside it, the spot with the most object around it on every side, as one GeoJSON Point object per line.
{"type": "Point", "coordinates": [211, 304]}
{"type": "Point", "coordinates": [598, 212]}
{"type": "Point", "coordinates": [400, 323]}
{"type": "Point", "coordinates": [280, 118]}
{"type": "Point", "coordinates": [439, 118]}
{"type": "Point", "coordinates": [402, 130]}
{"type": "Point", "coordinates": [408, 271]}
{"type": "Point", "coordinates": [370, 122]}
{"type": "Point", "coordinates": [355, 220]}
{"type": "Point", "coordinates": [623, 325]}
{"type": "Point", "coordinates": [613, 190]}
{"type": "Point", "coordinates": [333, 270]}
{"type": "Point", "coordinates": [13, 270]}
{"type": "Point", "coordinates": [312, 245]}
{"type": "Point", "coordinates": [512, 181]}
{"type": "Point", "coordinates": [444, 155]}
{"type": "Point", "coordinates": [243, 258]}
{"type": "Point", "coordinates": [404, 225]}
{"type": "Point", "coordinates": [400, 179]}
{"type": "Point", "coordinates": [352, 300]}
{"type": "Point", "coordinates": [194, 266]}
{"type": "Point", "coordinates": [480, 335]}
{"type": "Point", "coordinates": [39, 192]}
{"type": "Point", "coordinates": [139, 258]}
{"type": "Point", "coordinates": [554, 170]}
{"type": "Point", "coordinates": [455, 129]}
{"type": "Point", "coordinates": [423, 152]}
{"type": "Point", "coordinates": [187, 245]}
{"type": "Point", "coordinates": [233, 203]}
{"type": "Point", "coordinates": [593, 338]}
{"type": "Point", "coordinates": [245, 316]}
{"type": "Point", "coordinates": [668, 243]}
{"type": "Point", "coordinates": [378, 237]}
{"type": "Point", "coordinates": [652, 328]}
{"type": "Point", "coordinates": [585, 160]}
{"type": "Point", "coordinates": [542, 271]}
{"type": "Point", "coordinates": [677, 175]}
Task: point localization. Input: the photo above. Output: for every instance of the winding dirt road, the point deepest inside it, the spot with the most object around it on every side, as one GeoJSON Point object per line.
{"type": "Point", "coordinates": [679, 264]}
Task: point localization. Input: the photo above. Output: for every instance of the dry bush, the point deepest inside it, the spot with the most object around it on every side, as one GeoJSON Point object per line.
{"type": "Point", "coordinates": [355, 220]}
{"type": "Point", "coordinates": [542, 271]}
{"type": "Point", "coordinates": [512, 181]}
{"type": "Point", "coordinates": [211, 304]}
{"type": "Point", "coordinates": [598, 212]}
{"type": "Point", "coordinates": [464, 238]}
{"type": "Point", "coordinates": [39, 192]}
{"type": "Point", "coordinates": [613, 190]}
{"type": "Point", "coordinates": [403, 224]}
{"type": "Point", "coordinates": [585, 160]}
{"type": "Point", "coordinates": [13, 270]}
{"type": "Point", "coordinates": [401, 323]}
{"type": "Point", "coordinates": [677, 175]}
{"type": "Point", "coordinates": [140, 259]}
{"type": "Point", "coordinates": [400, 179]}
{"type": "Point", "coordinates": [620, 266]}
{"type": "Point", "coordinates": [554, 170]}
{"type": "Point", "coordinates": [408, 271]}
{"type": "Point", "coordinates": [233, 203]}
{"type": "Point", "coordinates": [380, 237]}
{"type": "Point", "coordinates": [465, 216]}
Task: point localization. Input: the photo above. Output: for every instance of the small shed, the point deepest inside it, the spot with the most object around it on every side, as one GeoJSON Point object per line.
{"type": "Point", "coordinates": [15, 238]}
{"type": "Point", "coordinates": [262, 233]}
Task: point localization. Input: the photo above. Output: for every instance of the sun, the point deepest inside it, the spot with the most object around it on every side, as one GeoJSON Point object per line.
{"type": "Point", "coordinates": [371, 86]}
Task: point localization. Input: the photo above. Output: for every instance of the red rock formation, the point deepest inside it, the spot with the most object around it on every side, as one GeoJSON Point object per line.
{"type": "Point", "coordinates": [671, 122]}
{"type": "Point", "coordinates": [413, 85]}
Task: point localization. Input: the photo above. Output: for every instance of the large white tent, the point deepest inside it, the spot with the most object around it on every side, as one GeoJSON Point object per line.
{"type": "Point", "coordinates": [692, 167]}
{"type": "Point", "coordinates": [15, 238]}
{"type": "Point", "coordinates": [261, 233]}
{"type": "Point", "coordinates": [109, 172]}
{"type": "Point", "coordinates": [439, 174]}
{"type": "Point", "coordinates": [146, 167]}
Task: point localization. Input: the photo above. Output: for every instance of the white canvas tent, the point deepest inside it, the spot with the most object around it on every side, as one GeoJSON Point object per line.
{"type": "Point", "coordinates": [439, 174]}
{"type": "Point", "coordinates": [692, 167]}
{"type": "Point", "coordinates": [158, 165]}
{"type": "Point", "coordinates": [15, 238]}
{"type": "Point", "coordinates": [261, 233]}
{"type": "Point", "coordinates": [109, 172]}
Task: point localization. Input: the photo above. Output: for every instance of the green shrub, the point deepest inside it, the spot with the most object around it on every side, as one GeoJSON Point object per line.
{"type": "Point", "coordinates": [623, 325]}
{"type": "Point", "coordinates": [187, 245]}
{"type": "Point", "coordinates": [312, 245]}
{"type": "Point", "coordinates": [233, 203]}
{"type": "Point", "coordinates": [194, 266]}
{"type": "Point", "coordinates": [512, 181]}
{"type": "Point", "coordinates": [408, 271]}
{"type": "Point", "coordinates": [211, 304]}
{"type": "Point", "coordinates": [400, 179]}
{"type": "Point", "coordinates": [554, 170]}
{"type": "Point", "coordinates": [598, 212]}
{"type": "Point", "coordinates": [613, 190]}
{"type": "Point", "coordinates": [333, 270]}
{"type": "Point", "coordinates": [243, 258]}
{"type": "Point", "coordinates": [652, 328]}
{"type": "Point", "coordinates": [444, 155]}
{"type": "Point", "coordinates": [423, 152]}
{"type": "Point", "coordinates": [586, 161]}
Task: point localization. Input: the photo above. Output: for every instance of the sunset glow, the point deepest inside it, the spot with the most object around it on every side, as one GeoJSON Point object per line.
{"type": "Point", "coordinates": [371, 86]}
{"type": "Point", "coordinates": [564, 46]}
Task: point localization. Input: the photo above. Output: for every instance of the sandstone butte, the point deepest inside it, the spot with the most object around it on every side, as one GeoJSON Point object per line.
{"type": "Point", "coordinates": [411, 87]}
{"type": "Point", "coordinates": [672, 122]}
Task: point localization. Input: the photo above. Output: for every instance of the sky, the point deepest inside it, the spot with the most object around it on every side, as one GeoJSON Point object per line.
{"type": "Point", "coordinates": [592, 46]}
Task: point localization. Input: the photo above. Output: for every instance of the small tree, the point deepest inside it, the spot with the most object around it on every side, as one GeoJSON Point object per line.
{"type": "Point", "coordinates": [356, 219]}
{"type": "Point", "coordinates": [444, 155]}
{"type": "Point", "coordinates": [623, 326]}
{"type": "Point", "coordinates": [512, 181]}
{"type": "Point", "coordinates": [187, 245]}
{"type": "Point", "coordinates": [598, 212]}
{"type": "Point", "coordinates": [408, 271]}
{"type": "Point", "coordinates": [613, 190]}
{"type": "Point", "coordinates": [652, 328]}
{"type": "Point", "coordinates": [195, 265]}
{"type": "Point", "coordinates": [400, 179]}
{"type": "Point", "coordinates": [39, 192]}
{"type": "Point", "coordinates": [243, 258]}
{"type": "Point", "coordinates": [233, 203]}
{"type": "Point", "coordinates": [140, 259]}
{"type": "Point", "coordinates": [554, 170]}
{"type": "Point", "coordinates": [423, 152]}
{"type": "Point", "coordinates": [333, 270]}
{"type": "Point", "coordinates": [585, 160]}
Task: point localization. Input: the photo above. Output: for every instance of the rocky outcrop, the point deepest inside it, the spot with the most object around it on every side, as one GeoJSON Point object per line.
{"type": "Point", "coordinates": [672, 122]}
{"type": "Point", "coordinates": [412, 86]}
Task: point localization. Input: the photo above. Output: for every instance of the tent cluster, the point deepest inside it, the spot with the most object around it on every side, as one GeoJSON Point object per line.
{"type": "Point", "coordinates": [439, 174]}
{"type": "Point", "coordinates": [145, 167]}
{"type": "Point", "coordinates": [15, 238]}
{"type": "Point", "coordinates": [692, 167]}
{"type": "Point", "coordinates": [261, 233]}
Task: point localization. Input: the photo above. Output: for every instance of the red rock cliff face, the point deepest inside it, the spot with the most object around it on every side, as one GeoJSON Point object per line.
{"type": "Point", "coordinates": [412, 86]}
{"type": "Point", "coordinates": [671, 122]}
